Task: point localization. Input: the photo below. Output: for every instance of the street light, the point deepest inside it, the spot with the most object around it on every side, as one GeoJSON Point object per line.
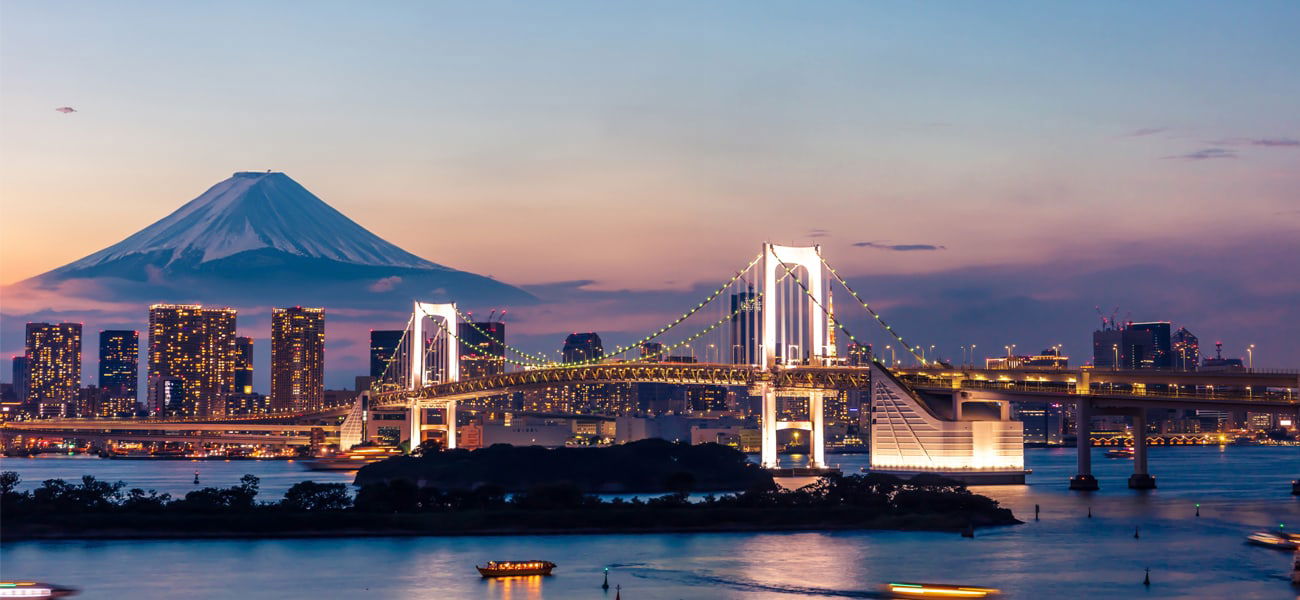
{"type": "Point", "coordinates": [1115, 365]}
{"type": "Point", "coordinates": [892, 359]}
{"type": "Point", "coordinates": [1250, 354]}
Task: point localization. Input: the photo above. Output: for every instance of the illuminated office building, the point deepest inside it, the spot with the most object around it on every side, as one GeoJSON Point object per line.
{"type": "Point", "coordinates": [1186, 350]}
{"type": "Point", "coordinates": [243, 365]}
{"type": "Point", "coordinates": [191, 348]}
{"type": "Point", "coordinates": [119, 369]}
{"type": "Point", "coordinates": [297, 358]}
{"type": "Point", "coordinates": [582, 347]}
{"type": "Point", "coordinates": [482, 348]}
{"type": "Point", "coordinates": [53, 367]}
{"type": "Point", "coordinates": [383, 345]}
{"type": "Point", "coordinates": [744, 342]}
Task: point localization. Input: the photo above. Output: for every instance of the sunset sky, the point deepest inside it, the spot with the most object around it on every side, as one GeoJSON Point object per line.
{"type": "Point", "coordinates": [998, 152]}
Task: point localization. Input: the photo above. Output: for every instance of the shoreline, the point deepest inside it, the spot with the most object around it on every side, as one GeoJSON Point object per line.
{"type": "Point", "coordinates": [122, 535]}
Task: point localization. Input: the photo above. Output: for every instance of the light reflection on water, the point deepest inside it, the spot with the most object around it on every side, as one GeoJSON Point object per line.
{"type": "Point", "coordinates": [1064, 555]}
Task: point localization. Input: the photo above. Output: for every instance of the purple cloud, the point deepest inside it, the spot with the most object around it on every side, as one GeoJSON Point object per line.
{"type": "Point", "coordinates": [1145, 131]}
{"type": "Point", "coordinates": [818, 233]}
{"type": "Point", "coordinates": [386, 284]}
{"type": "Point", "coordinates": [1205, 154]}
{"type": "Point", "coordinates": [1277, 142]}
{"type": "Point", "coordinates": [898, 247]}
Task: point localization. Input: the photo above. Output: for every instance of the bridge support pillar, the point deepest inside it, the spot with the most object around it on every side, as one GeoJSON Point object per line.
{"type": "Point", "coordinates": [816, 414]}
{"type": "Point", "coordinates": [416, 418]}
{"type": "Point", "coordinates": [769, 426]}
{"type": "Point", "coordinates": [1141, 479]}
{"type": "Point", "coordinates": [1084, 480]}
{"type": "Point", "coordinates": [450, 419]}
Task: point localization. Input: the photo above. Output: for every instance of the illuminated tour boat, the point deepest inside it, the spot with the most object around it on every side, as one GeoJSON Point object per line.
{"type": "Point", "coordinates": [1120, 453]}
{"type": "Point", "coordinates": [352, 459]}
{"type": "Point", "coordinates": [939, 590]}
{"type": "Point", "coordinates": [515, 568]}
{"type": "Point", "coordinates": [33, 589]}
{"type": "Point", "coordinates": [1275, 539]}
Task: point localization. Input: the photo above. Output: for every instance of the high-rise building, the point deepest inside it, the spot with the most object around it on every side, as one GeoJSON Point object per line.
{"type": "Point", "coordinates": [1133, 346]}
{"type": "Point", "coordinates": [1155, 351]}
{"type": "Point", "coordinates": [54, 367]}
{"type": "Point", "coordinates": [652, 351]}
{"type": "Point", "coordinates": [859, 354]}
{"type": "Point", "coordinates": [582, 347]}
{"type": "Point", "coordinates": [21, 379]}
{"type": "Point", "coordinates": [297, 358]}
{"type": "Point", "coordinates": [1186, 349]}
{"type": "Point", "coordinates": [1044, 423]}
{"type": "Point", "coordinates": [744, 342]}
{"type": "Point", "coordinates": [383, 345]}
{"type": "Point", "coordinates": [119, 369]}
{"type": "Point", "coordinates": [482, 348]}
{"type": "Point", "coordinates": [195, 346]}
{"type": "Point", "coordinates": [243, 365]}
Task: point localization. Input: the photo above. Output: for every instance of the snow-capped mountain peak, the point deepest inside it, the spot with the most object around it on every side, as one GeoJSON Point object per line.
{"type": "Point", "coordinates": [254, 211]}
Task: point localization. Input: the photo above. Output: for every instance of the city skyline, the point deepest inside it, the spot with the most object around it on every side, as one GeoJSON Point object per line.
{"type": "Point", "coordinates": [1004, 218]}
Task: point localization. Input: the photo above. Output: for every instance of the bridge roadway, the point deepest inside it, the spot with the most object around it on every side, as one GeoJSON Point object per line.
{"type": "Point", "coordinates": [1256, 378]}
{"type": "Point", "coordinates": [1040, 385]}
{"type": "Point", "coordinates": [143, 430]}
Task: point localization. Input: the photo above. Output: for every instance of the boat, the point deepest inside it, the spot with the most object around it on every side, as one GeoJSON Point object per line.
{"type": "Point", "coordinates": [938, 590]}
{"type": "Point", "coordinates": [352, 459]}
{"type": "Point", "coordinates": [515, 568]}
{"type": "Point", "coordinates": [1274, 539]}
{"type": "Point", "coordinates": [1119, 453]}
{"type": "Point", "coordinates": [34, 589]}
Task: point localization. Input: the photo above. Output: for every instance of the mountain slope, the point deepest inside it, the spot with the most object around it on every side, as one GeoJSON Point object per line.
{"type": "Point", "coordinates": [262, 237]}
{"type": "Point", "coordinates": [250, 211]}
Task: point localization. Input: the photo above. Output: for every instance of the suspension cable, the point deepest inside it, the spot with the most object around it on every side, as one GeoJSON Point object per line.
{"type": "Point", "coordinates": [864, 304]}
{"type": "Point", "coordinates": [834, 319]}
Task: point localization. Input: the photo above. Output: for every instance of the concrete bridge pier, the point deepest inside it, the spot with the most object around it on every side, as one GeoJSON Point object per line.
{"type": "Point", "coordinates": [416, 419]}
{"type": "Point", "coordinates": [1084, 481]}
{"type": "Point", "coordinates": [817, 446]}
{"type": "Point", "coordinates": [1140, 479]}
{"type": "Point", "coordinates": [769, 426]}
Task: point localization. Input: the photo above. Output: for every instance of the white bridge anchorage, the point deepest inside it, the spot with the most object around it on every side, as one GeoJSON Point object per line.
{"type": "Point", "coordinates": [771, 329]}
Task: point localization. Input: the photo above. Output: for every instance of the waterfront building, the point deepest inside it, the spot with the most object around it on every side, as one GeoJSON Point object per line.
{"type": "Point", "coordinates": [297, 358]}
{"type": "Point", "coordinates": [383, 346]}
{"type": "Point", "coordinates": [119, 367]}
{"type": "Point", "coordinates": [1043, 423]}
{"type": "Point", "coordinates": [243, 365]}
{"type": "Point", "coordinates": [582, 347]}
{"type": "Point", "coordinates": [53, 354]}
{"type": "Point", "coordinates": [1186, 350]}
{"type": "Point", "coordinates": [192, 359]}
{"type": "Point", "coordinates": [1049, 358]}
{"type": "Point", "coordinates": [482, 348]}
{"type": "Point", "coordinates": [744, 341]}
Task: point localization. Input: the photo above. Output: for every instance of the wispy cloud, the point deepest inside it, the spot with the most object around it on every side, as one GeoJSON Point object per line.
{"type": "Point", "coordinates": [1274, 142]}
{"type": "Point", "coordinates": [818, 233]}
{"type": "Point", "coordinates": [1145, 131]}
{"type": "Point", "coordinates": [898, 247]}
{"type": "Point", "coordinates": [386, 284]}
{"type": "Point", "coordinates": [1204, 154]}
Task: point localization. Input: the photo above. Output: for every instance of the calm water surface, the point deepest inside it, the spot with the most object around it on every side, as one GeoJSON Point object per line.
{"type": "Point", "coordinates": [1065, 555]}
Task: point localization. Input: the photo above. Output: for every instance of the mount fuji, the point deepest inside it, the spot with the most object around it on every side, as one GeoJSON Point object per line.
{"type": "Point", "coordinates": [260, 237]}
